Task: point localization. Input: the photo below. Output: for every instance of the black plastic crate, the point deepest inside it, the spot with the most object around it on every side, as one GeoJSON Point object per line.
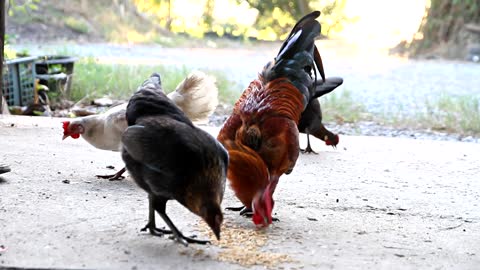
{"type": "Point", "coordinates": [19, 81]}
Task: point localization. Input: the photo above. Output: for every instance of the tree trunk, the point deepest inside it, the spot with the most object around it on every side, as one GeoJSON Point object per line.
{"type": "Point", "coordinates": [303, 7]}
{"type": "Point", "coordinates": [2, 41]}
{"type": "Point", "coordinates": [447, 29]}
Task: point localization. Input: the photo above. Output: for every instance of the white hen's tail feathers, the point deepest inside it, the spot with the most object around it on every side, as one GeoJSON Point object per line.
{"type": "Point", "coordinates": [196, 96]}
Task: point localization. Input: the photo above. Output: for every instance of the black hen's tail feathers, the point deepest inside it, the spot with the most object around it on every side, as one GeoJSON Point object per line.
{"type": "Point", "coordinates": [327, 86]}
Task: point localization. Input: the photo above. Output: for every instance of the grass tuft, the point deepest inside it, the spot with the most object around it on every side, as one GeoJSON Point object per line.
{"type": "Point", "coordinates": [120, 81]}
{"type": "Point", "coordinates": [342, 107]}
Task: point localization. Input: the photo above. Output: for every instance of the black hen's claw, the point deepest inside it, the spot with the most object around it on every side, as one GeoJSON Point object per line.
{"type": "Point", "coordinates": [154, 230]}
{"type": "Point", "coordinates": [308, 150]}
{"type": "Point", "coordinates": [189, 240]}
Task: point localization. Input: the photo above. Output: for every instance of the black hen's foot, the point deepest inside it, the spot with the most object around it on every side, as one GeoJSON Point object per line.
{"type": "Point", "coordinates": [308, 150]}
{"type": "Point", "coordinates": [189, 240]}
{"type": "Point", "coordinates": [154, 230]}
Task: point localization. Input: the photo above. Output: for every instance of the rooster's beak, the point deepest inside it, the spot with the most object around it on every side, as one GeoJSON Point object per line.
{"type": "Point", "coordinates": [64, 137]}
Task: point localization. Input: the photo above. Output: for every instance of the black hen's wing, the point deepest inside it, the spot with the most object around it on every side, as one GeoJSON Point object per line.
{"type": "Point", "coordinates": [150, 100]}
{"type": "Point", "coordinates": [161, 152]}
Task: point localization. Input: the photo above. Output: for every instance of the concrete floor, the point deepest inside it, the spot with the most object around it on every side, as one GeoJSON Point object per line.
{"type": "Point", "coordinates": [381, 203]}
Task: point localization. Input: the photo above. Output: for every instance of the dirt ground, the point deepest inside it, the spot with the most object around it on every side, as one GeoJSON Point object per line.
{"type": "Point", "coordinates": [374, 202]}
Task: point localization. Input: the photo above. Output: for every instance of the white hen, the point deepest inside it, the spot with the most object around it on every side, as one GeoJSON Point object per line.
{"type": "Point", "coordinates": [196, 95]}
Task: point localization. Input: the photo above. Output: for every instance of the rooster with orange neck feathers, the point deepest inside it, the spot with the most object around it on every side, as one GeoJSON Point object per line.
{"type": "Point", "coordinates": [261, 135]}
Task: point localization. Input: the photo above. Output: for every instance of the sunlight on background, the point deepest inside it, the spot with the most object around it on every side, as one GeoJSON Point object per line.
{"type": "Point", "coordinates": [382, 23]}
{"type": "Point", "coordinates": [369, 23]}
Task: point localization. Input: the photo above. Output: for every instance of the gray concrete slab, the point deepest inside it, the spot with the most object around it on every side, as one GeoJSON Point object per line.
{"type": "Point", "coordinates": [374, 203]}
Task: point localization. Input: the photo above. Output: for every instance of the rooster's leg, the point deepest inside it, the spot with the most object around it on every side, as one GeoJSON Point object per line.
{"type": "Point", "coordinates": [248, 214]}
{"type": "Point", "coordinates": [160, 206]}
{"type": "Point", "coordinates": [151, 221]}
{"type": "Point", "coordinates": [308, 149]}
{"type": "Point", "coordinates": [113, 177]}
{"type": "Point", "coordinates": [244, 211]}
{"type": "Point", "coordinates": [235, 209]}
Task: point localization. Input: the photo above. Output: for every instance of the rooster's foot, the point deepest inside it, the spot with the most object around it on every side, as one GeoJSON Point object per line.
{"type": "Point", "coordinates": [113, 177]}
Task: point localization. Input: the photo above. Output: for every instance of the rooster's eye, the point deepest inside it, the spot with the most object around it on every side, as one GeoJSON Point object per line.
{"type": "Point", "coordinates": [308, 69]}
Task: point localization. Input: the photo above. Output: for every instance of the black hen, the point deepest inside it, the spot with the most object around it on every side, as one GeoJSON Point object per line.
{"type": "Point", "coordinates": [170, 158]}
{"type": "Point", "coordinates": [311, 119]}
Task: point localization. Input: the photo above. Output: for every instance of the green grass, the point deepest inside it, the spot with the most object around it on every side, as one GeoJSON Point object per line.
{"type": "Point", "coordinates": [453, 113]}
{"type": "Point", "coordinates": [449, 113]}
{"type": "Point", "coordinates": [342, 107]}
{"type": "Point", "coordinates": [120, 81]}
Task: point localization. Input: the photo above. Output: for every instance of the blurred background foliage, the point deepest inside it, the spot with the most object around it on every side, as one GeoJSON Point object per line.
{"type": "Point", "coordinates": [241, 19]}
{"type": "Point", "coordinates": [175, 22]}
{"type": "Point", "coordinates": [157, 20]}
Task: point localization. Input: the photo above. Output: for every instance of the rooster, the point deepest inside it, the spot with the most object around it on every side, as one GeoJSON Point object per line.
{"type": "Point", "coordinates": [196, 95]}
{"type": "Point", "coordinates": [261, 135]}
{"type": "Point", "coordinates": [170, 158]}
{"type": "Point", "coordinates": [311, 120]}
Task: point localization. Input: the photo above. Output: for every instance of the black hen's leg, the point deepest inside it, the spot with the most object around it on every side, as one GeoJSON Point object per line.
{"type": "Point", "coordinates": [160, 206]}
{"type": "Point", "coordinates": [151, 226]}
{"type": "Point", "coordinates": [308, 149]}
{"type": "Point", "coordinates": [113, 177]}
